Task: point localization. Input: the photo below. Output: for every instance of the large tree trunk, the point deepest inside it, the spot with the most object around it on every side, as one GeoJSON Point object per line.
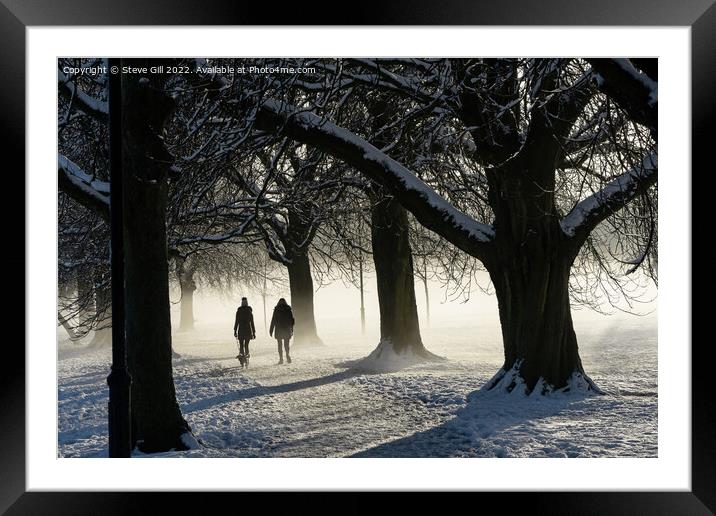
{"type": "Point", "coordinates": [188, 286]}
{"type": "Point", "coordinates": [392, 256]}
{"type": "Point", "coordinates": [301, 285]}
{"type": "Point", "coordinates": [157, 422]}
{"type": "Point", "coordinates": [394, 273]}
{"type": "Point", "coordinates": [530, 266]}
{"type": "Point", "coordinates": [539, 340]}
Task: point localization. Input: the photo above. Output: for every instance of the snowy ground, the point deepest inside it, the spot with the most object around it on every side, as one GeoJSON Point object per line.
{"type": "Point", "coordinates": [319, 407]}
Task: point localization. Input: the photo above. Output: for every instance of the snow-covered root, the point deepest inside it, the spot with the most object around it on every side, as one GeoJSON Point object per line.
{"type": "Point", "coordinates": [385, 358]}
{"type": "Point", "coordinates": [511, 382]}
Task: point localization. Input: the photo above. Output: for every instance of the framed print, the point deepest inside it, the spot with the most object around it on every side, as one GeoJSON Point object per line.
{"type": "Point", "coordinates": [433, 236]}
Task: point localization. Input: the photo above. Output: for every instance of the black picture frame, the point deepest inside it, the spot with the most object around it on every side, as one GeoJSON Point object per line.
{"type": "Point", "coordinates": [17, 15]}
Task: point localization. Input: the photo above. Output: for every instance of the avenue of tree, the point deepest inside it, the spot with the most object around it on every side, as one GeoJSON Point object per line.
{"type": "Point", "coordinates": [542, 172]}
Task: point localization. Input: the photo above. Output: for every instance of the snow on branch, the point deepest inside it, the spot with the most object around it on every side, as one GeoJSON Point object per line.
{"type": "Point", "coordinates": [82, 187]}
{"type": "Point", "coordinates": [617, 193]}
{"type": "Point", "coordinates": [97, 109]}
{"type": "Point", "coordinates": [429, 208]}
{"type": "Point", "coordinates": [647, 83]}
{"type": "Point", "coordinates": [634, 91]}
{"type": "Point", "coordinates": [213, 238]}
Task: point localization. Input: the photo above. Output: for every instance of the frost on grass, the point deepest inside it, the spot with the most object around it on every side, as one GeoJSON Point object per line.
{"type": "Point", "coordinates": [385, 358]}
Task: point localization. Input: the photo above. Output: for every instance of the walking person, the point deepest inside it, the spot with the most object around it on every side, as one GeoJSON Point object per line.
{"type": "Point", "coordinates": [282, 328]}
{"type": "Point", "coordinates": [244, 330]}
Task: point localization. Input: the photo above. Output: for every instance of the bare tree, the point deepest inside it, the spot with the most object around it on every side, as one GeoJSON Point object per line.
{"type": "Point", "coordinates": [524, 118]}
{"type": "Point", "coordinates": [157, 422]}
{"type": "Point", "coordinates": [542, 171]}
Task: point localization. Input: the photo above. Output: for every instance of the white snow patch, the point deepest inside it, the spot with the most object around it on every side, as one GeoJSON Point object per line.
{"type": "Point", "coordinates": [432, 409]}
{"type": "Point", "coordinates": [384, 358]}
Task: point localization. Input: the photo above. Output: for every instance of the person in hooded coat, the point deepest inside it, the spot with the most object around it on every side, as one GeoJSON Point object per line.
{"type": "Point", "coordinates": [244, 330]}
{"type": "Point", "coordinates": [282, 328]}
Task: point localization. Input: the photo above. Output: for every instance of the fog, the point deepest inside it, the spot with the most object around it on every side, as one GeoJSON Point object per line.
{"type": "Point", "coordinates": [337, 310]}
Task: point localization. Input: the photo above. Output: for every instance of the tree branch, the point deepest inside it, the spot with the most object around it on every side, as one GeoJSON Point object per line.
{"type": "Point", "coordinates": [80, 186]}
{"type": "Point", "coordinates": [586, 215]}
{"type": "Point", "coordinates": [430, 209]}
{"type": "Point", "coordinates": [632, 90]}
{"type": "Point", "coordinates": [549, 127]}
{"type": "Point", "coordinates": [97, 109]}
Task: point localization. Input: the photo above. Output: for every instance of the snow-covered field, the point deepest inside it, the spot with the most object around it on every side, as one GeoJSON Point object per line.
{"type": "Point", "coordinates": [318, 406]}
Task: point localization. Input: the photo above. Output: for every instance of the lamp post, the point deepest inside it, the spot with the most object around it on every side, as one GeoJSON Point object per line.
{"type": "Point", "coordinates": [119, 380]}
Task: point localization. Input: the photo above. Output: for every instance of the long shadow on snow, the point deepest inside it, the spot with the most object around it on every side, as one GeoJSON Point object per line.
{"type": "Point", "coordinates": [79, 380]}
{"type": "Point", "coordinates": [475, 429]}
{"type": "Point", "coordinates": [268, 390]}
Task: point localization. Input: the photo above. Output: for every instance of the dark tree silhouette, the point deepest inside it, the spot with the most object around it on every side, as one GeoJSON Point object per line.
{"type": "Point", "coordinates": [523, 127]}
{"type": "Point", "coordinates": [541, 169]}
{"type": "Point", "coordinates": [157, 422]}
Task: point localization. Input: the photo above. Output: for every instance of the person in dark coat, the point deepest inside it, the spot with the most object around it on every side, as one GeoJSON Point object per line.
{"type": "Point", "coordinates": [244, 330]}
{"type": "Point", "coordinates": [282, 328]}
